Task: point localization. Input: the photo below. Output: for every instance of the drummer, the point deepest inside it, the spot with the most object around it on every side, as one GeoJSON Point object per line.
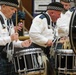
{"type": "Point", "coordinates": [63, 22]}
{"type": "Point", "coordinates": [42, 34]}
{"type": "Point", "coordinates": [8, 38]}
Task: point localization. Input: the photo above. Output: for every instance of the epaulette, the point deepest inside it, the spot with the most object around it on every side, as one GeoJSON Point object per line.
{"type": "Point", "coordinates": [72, 9]}
{"type": "Point", "coordinates": [42, 16]}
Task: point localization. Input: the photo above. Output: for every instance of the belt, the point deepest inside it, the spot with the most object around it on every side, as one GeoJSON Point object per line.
{"type": "Point", "coordinates": [45, 50]}
{"type": "Point", "coordinates": [37, 46]}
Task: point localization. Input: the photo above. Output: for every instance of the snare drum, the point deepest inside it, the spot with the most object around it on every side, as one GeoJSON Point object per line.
{"type": "Point", "coordinates": [65, 60]}
{"type": "Point", "coordinates": [29, 61]}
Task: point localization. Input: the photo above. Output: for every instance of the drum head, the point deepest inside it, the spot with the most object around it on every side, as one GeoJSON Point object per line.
{"type": "Point", "coordinates": [72, 31]}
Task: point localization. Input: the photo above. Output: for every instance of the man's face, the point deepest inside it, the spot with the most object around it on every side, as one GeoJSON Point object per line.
{"type": "Point", "coordinates": [54, 15]}
{"type": "Point", "coordinates": [66, 5]}
{"type": "Point", "coordinates": [8, 10]}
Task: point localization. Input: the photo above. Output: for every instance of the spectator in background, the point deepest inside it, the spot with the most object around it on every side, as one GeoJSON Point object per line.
{"type": "Point", "coordinates": [20, 18]}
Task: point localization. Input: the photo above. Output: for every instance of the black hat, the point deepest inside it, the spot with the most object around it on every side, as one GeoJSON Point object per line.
{"type": "Point", "coordinates": [13, 3]}
{"type": "Point", "coordinates": [55, 6]}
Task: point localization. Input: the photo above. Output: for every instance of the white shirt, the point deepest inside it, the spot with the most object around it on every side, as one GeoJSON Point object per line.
{"type": "Point", "coordinates": [4, 34]}
{"type": "Point", "coordinates": [63, 23]}
{"type": "Point", "coordinates": [39, 31]}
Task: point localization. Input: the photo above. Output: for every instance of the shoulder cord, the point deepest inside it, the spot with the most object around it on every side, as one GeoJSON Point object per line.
{"type": "Point", "coordinates": [9, 44]}
{"type": "Point", "coordinates": [55, 42]}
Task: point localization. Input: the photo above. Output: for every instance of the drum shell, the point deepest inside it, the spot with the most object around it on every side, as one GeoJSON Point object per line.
{"type": "Point", "coordinates": [24, 59]}
{"type": "Point", "coordinates": [65, 60]}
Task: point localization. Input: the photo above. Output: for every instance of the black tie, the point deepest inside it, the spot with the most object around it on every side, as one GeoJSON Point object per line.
{"type": "Point", "coordinates": [8, 26]}
{"type": "Point", "coordinates": [53, 24]}
{"type": "Point", "coordinates": [8, 22]}
{"type": "Point", "coordinates": [53, 28]}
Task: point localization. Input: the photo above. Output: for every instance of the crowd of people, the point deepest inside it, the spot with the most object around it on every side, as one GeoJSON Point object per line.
{"type": "Point", "coordinates": [45, 30]}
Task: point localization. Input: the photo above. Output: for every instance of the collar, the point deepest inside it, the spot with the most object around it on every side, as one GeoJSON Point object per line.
{"type": "Point", "coordinates": [3, 15]}
{"type": "Point", "coordinates": [49, 16]}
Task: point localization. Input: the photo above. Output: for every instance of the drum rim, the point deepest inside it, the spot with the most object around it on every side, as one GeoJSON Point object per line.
{"type": "Point", "coordinates": [67, 51]}
{"type": "Point", "coordinates": [71, 33]}
{"type": "Point", "coordinates": [29, 51]}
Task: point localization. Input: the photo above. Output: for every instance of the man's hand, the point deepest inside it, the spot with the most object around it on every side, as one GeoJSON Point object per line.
{"type": "Point", "coordinates": [14, 37]}
{"type": "Point", "coordinates": [49, 43]}
{"type": "Point", "coordinates": [26, 43]}
{"type": "Point", "coordinates": [63, 39]}
{"type": "Point", "coordinates": [18, 27]}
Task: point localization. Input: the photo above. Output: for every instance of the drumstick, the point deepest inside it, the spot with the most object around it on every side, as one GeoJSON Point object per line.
{"type": "Point", "coordinates": [16, 20]}
{"type": "Point", "coordinates": [16, 23]}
